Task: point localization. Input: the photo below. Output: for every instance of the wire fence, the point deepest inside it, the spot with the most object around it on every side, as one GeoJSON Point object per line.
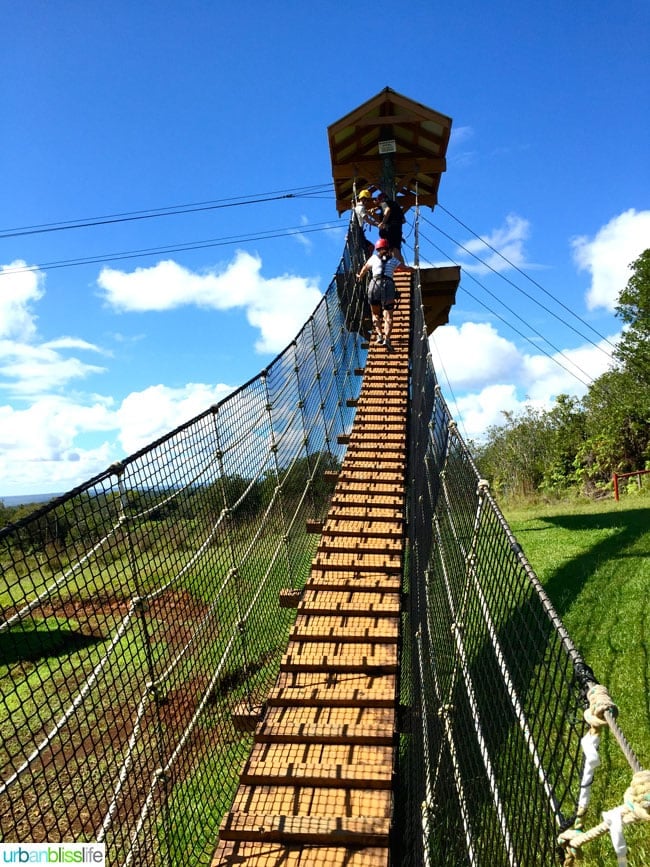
{"type": "Point", "coordinates": [492, 755]}
{"type": "Point", "coordinates": [141, 609]}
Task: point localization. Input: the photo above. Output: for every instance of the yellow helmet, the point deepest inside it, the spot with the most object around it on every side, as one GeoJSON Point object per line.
{"type": "Point", "coordinates": [365, 194]}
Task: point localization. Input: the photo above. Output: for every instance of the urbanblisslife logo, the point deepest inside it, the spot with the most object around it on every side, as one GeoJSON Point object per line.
{"type": "Point", "coordinates": [53, 853]}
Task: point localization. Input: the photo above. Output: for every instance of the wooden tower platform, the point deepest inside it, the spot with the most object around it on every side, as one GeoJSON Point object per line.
{"type": "Point", "coordinates": [318, 786]}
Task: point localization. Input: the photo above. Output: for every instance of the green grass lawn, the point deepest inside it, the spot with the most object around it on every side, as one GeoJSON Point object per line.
{"type": "Point", "coordinates": [593, 558]}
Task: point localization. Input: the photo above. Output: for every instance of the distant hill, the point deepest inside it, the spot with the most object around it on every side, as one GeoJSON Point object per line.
{"type": "Point", "coordinates": [22, 499]}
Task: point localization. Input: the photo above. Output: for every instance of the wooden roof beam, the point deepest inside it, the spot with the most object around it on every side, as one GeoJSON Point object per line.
{"type": "Point", "coordinates": [423, 165]}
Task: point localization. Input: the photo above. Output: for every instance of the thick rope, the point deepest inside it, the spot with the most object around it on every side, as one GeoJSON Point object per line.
{"type": "Point", "coordinates": [636, 801]}
{"type": "Point", "coordinates": [599, 703]}
{"type": "Point", "coordinates": [635, 808]}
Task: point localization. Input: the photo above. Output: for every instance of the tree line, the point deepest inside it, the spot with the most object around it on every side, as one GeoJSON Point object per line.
{"type": "Point", "coordinates": [82, 520]}
{"type": "Point", "coordinates": [579, 444]}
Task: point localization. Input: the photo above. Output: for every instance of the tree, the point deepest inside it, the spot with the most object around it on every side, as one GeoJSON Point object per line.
{"type": "Point", "coordinates": [516, 454]}
{"type": "Point", "coordinates": [617, 404]}
{"type": "Point", "coordinates": [617, 427]}
{"type": "Point", "coordinates": [567, 420]}
{"type": "Point", "coordinates": [633, 350]}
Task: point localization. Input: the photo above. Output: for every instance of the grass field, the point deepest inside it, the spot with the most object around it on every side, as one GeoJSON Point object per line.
{"type": "Point", "coordinates": [594, 561]}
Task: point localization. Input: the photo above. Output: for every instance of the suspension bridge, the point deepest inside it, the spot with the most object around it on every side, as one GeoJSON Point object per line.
{"type": "Point", "coordinates": [297, 629]}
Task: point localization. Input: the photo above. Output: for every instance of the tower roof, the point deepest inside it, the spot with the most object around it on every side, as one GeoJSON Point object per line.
{"type": "Point", "coordinates": [415, 136]}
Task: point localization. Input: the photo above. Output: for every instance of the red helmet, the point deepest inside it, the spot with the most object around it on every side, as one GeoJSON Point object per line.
{"type": "Point", "coordinates": [382, 244]}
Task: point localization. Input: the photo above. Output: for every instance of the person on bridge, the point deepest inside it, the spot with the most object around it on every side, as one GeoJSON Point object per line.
{"type": "Point", "coordinates": [365, 213]}
{"type": "Point", "coordinates": [390, 226]}
{"type": "Point", "coordinates": [381, 290]}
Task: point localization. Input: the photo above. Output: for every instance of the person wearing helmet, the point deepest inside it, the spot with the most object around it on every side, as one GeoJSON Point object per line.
{"type": "Point", "coordinates": [364, 212]}
{"type": "Point", "coordinates": [381, 290]}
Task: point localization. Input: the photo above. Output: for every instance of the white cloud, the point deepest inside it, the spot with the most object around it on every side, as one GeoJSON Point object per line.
{"type": "Point", "coordinates": [19, 290]}
{"type": "Point", "coordinates": [29, 367]}
{"type": "Point", "coordinates": [305, 242]}
{"type": "Point", "coordinates": [476, 412]}
{"type": "Point", "coordinates": [146, 415]}
{"type": "Point", "coordinates": [277, 306]}
{"type": "Point", "coordinates": [474, 354]}
{"type": "Point", "coordinates": [71, 343]}
{"type": "Point", "coordinates": [31, 370]}
{"type": "Point", "coordinates": [52, 445]}
{"type": "Point", "coordinates": [50, 425]}
{"type": "Point", "coordinates": [460, 134]}
{"type": "Point", "coordinates": [608, 255]}
{"type": "Point", "coordinates": [567, 373]}
{"type": "Point", "coordinates": [38, 445]}
{"type": "Point", "coordinates": [457, 152]}
{"type": "Point", "coordinates": [508, 240]}
{"type": "Point", "coordinates": [488, 375]}
{"type": "Point", "coordinates": [60, 438]}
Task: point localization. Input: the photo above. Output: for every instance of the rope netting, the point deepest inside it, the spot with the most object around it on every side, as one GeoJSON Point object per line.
{"type": "Point", "coordinates": [141, 611]}
{"type": "Point", "coordinates": [494, 761]}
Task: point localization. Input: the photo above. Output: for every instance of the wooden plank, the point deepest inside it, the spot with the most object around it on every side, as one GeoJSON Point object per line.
{"type": "Point", "coordinates": [341, 775]}
{"type": "Point", "coordinates": [351, 494]}
{"type": "Point", "coordinates": [327, 754]}
{"type": "Point", "coordinates": [331, 601]}
{"type": "Point", "coordinates": [375, 469]}
{"type": "Point", "coordinates": [372, 489]}
{"type": "Point", "coordinates": [425, 165]}
{"type": "Point", "coordinates": [392, 406]}
{"type": "Point", "coordinates": [365, 512]}
{"type": "Point", "coordinates": [383, 439]}
{"type": "Point", "coordinates": [375, 421]}
{"type": "Point", "coordinates": [392, 459]}
{"type": "Point", "coordinates": [322, 734]}
{"type": "Point", "coordinates": [353, 580]}
{"type": "Point", "coordinates": [385, 526]}
{"type": "Point", "coordinates": [338, 627]}
{"type": "Point", "coordinates": [235, 853]}
{"type": "Point", "coordinates": [340, 656]}
{"type": "Point", "coordinates": [245, 718]}
{"type": "Point", "coordinates": [278, 828]}
{"type": "Point", "coordinates": [391, 456]}
{"type": "Point", "coordinates": [290, 597]}
{"type": "Point", "coordinates": [362, 545]}
{"type": "Point", "coordinates": [359, 560]}
{"type": "Point", "coordinates": [334, 689]}
{"type": "Point", "coordinates": [310, 801]}
{"type": "Point", "coordinates": [347, 720]}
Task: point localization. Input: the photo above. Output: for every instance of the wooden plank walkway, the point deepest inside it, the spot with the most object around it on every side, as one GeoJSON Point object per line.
{"type": "Point", "coordinates": [317, 788]}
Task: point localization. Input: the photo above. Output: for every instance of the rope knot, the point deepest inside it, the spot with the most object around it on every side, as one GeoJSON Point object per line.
{"type": "Point", "coordinates": [637, 796]}
{"type": "Point", "coordinates": [599, 702]}
{"type": "Point", "coordinates": [568, 840]}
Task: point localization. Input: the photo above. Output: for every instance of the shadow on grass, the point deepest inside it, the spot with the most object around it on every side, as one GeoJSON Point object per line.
{"type": "Point", "coordinates": [30, 645]}
{"type": "Point", "coordinates": [566, 583]}
{"type": "Point", "coordinates": [530, 663]}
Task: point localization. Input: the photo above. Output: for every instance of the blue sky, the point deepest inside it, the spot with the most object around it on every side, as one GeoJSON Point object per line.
{"type": "Point", "coordinates": [165, 107]}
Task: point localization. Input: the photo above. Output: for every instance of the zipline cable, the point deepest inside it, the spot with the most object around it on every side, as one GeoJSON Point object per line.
{"type": "Point", "coordinates": [513, 313]}
{"type": "Point", "coordinates": [172, 210]}
{"type": "Point", "coordinates": [157, 251]}
{"type": "Point", "coordinates": [524, 274]}
{"type": "Point", "coordinates": [527, 294]}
